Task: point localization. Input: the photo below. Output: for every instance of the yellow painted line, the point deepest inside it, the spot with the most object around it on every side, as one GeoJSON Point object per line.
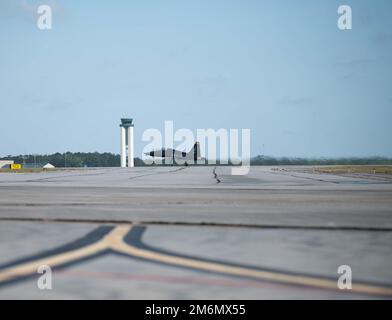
{"type": "Point", "coordinates": [31, 267]}
{"type": "Point", "coordinates": [115, 241]}
{"type": "Point", "coordinates": [123, 247]}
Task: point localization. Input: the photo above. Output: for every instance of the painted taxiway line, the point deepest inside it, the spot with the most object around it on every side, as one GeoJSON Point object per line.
{"type": "Point", "coordinates": [116, 240]}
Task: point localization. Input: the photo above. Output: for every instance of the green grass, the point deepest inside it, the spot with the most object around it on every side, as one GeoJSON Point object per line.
{"type": "Point", "coordinates": [355, 169]}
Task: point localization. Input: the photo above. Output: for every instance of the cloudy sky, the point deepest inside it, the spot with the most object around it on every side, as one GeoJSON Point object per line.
{"type": "Point", "coordinates": [281, 68]}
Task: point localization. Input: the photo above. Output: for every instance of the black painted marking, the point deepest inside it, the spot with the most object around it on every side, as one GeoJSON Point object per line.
{"type": "Point", "coordinates": [134, 238]}
{"type": "Point", "coordinates": [88, 239]}
{"type": "Point", "coordinates": [59, 267]}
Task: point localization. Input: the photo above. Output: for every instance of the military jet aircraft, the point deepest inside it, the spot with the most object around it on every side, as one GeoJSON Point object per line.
{"type": "Point", "coordinates": [179, 156]}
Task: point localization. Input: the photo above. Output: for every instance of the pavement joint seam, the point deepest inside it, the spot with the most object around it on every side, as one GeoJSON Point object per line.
{"type": "Point", "coordinates": [204, 224]}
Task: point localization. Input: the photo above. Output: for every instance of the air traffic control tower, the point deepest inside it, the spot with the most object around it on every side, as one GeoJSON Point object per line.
{"type": "Point", "coordinates": [126, 127]}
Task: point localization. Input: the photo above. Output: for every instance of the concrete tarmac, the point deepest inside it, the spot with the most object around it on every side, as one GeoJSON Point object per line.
{"type": "Point", "coordinates": [176, 233]}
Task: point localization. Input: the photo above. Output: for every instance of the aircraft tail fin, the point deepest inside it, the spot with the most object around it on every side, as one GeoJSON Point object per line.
{"type": "Point", "coordinates": [196, 151]}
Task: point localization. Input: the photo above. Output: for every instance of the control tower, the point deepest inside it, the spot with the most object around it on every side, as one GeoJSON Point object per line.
{"type": "Point", "coordinates": [126, 127]}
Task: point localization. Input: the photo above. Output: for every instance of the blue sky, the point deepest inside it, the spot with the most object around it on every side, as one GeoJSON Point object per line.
{"type": "Point", "coordinates": [281, 68]}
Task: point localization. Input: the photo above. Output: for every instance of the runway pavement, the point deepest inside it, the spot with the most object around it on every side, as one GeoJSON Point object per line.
{"type": "Point", "coordinates": [176, 233]}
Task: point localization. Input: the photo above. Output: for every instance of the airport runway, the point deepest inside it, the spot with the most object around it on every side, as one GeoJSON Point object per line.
{"type": "Point", "coordinates": [176, 233]}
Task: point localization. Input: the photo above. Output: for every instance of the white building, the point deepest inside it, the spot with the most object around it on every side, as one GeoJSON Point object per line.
{"type": "Point", "coordinates": [5, 163]}
{"type": "Point", "coordinates": [48, 166]}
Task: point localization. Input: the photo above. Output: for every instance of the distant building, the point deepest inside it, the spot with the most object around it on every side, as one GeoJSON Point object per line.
{"type": "Point", "coordinates": [48, 166]}
{"type": "Point", "coordinates": [6, 163]}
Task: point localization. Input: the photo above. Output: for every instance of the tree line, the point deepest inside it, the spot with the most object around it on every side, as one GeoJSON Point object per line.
{"type": "Point", "coordinates": [70, 159]}
{"type": "Point", "coordinates": [272, 161]}
{"type": "Point", "coordinates": [107, 159]}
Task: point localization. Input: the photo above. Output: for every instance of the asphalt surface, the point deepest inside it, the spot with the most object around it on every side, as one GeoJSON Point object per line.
{"type": "Point", "coordinates": [176, 233]}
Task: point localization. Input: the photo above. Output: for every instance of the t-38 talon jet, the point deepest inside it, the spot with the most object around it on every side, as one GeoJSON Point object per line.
{"type": "Point", "coordinates": [180, 157]}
